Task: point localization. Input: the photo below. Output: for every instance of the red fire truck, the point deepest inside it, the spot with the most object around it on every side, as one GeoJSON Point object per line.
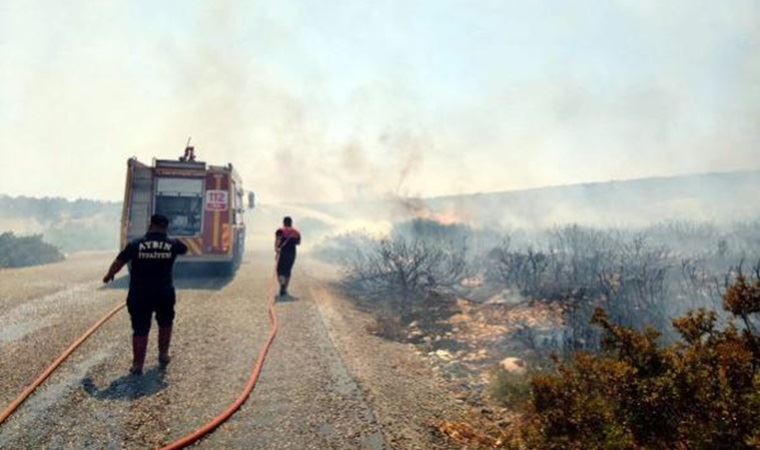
{"type": "Point", "coordinates": [205, 205]}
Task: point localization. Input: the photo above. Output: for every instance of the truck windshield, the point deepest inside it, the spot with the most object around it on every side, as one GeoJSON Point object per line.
{"type": "Point", "coordinates": [181, 201]}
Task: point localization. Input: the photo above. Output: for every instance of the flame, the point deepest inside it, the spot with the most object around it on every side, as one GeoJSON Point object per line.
{"type": "Point", "coordinates": [416, 208]}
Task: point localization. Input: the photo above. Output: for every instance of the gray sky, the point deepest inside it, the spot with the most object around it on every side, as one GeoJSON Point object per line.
{"type": "Point", "coordinates": [327, 100]}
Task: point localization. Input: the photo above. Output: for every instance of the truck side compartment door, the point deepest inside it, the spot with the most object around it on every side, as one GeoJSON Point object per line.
{"type": "Point", "coordinates": [138, 204]}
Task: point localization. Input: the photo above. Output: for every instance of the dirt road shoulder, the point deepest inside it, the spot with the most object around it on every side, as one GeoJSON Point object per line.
{"type": "Point", "coordinates": [406, 395]}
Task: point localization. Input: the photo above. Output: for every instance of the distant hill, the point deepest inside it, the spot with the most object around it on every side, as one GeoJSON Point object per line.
{"type": "Point", "coordinates": [69, 225]}
{"type": "Point", "coordinates": [714, 197]}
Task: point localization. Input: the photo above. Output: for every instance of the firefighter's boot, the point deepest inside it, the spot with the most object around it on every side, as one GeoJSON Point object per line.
{"type": "Point", "coordinates": [139, 348]}
{"type": "Point", "coordinates": [164, 339]}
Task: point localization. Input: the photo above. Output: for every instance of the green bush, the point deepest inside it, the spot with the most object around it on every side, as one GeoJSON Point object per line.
{"type": "Point", "coordinates": [700, 393]}
{"type": "Point", "coordinates": [510, 389]}
{"type": "Point", "coordinates": [21, 251]}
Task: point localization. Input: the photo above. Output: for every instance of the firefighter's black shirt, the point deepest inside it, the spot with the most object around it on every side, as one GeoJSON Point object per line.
{"type": "Point", "coordinates": [152, 257]}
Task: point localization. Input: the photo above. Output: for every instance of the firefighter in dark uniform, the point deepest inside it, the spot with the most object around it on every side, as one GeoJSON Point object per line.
{"type": "Point", "coordinates": [151, 288]}
{"type": "Point", "coordinates": [286, 239]}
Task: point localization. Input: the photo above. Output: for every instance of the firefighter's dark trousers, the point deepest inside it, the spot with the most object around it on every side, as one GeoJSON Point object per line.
{"type": "Point", "coordinates": [143, 302]}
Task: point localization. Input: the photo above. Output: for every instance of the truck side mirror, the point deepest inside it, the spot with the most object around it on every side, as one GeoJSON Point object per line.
{"type": "Point", "coordinates": [251, 200]}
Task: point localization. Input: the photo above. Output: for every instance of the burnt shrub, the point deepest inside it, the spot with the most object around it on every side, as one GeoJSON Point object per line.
{"type": "Point", "coordinates": [404, 272]}
{"type": "Point", "coordinates": [581, 269]}
{"type": "Point", "coordinates": [388, 326]}
{"type": "Point", "coordinates": [21, 251]}
{"type": "Point", "coordinates": [702, 392]}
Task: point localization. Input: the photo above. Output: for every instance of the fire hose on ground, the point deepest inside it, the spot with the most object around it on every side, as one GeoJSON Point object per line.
{"type": "Point", "coordinates": [199, 433]}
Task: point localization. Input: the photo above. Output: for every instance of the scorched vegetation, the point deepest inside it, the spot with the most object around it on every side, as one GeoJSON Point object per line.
{"type": "Point", "coordinates": [653, 331]}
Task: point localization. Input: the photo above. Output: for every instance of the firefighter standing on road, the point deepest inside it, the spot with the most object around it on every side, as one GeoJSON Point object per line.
{"type": "Point", "coordinates": [285, 242]}
{"type": "Point", "coordinates": [151, 288]}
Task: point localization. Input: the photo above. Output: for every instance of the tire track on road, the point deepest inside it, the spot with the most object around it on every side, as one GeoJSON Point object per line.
{"type": "Point", "coordinates": [37, 313]}
{"type": "Point", "coordinates": [36, 331]}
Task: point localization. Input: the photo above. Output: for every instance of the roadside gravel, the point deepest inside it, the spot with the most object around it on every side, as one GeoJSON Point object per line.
{"type": "Point", "coordinates": [42, 310]}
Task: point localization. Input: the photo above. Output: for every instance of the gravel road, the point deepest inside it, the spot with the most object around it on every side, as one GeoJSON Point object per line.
{"type": "Point", "coordinates": [326, 383]}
